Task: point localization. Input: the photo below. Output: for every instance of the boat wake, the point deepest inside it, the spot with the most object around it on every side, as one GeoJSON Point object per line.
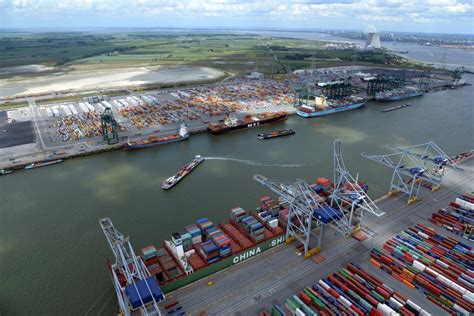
{"type": "Point", "coordinates": [258, 164]}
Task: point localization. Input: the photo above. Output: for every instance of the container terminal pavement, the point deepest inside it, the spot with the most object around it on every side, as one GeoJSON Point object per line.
{"type": "Point", "coordinates": [258, 283]}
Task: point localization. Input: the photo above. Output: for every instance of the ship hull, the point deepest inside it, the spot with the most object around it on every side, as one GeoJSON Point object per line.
{"type": "Point", "coordinates": [331, 111]}
{"type": "Point", "coordinates": [247, 125]}
{"type": "Point", "coordinates": [399, 97]}
{"type": "Point", "coordinates": [167, 186]}
{"type": "Point", "coordinates": [223, 264]}
{"type": "Point", "coordinates": [42, 164]}
{"type": "Point", "coordinates": [127, 146]}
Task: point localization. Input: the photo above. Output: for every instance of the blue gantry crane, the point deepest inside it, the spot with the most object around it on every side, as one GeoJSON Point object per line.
{"type": "Point", "coordinates": [349, 194]}
{"type": "Point", "coordinates": [136, 289]}
{"type": "Point", "coordinates": [412, 167]}
{"type": "Point", "coordinates": [308, 210]}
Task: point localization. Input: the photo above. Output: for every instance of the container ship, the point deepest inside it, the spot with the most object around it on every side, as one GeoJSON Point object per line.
{"type": "Point", "coordinates": [231, 123]}
{"type": "Point", "coordinates": [398, 94]}
{"type": "Point", "coordinates": [42, 164]}
{"type": "Point", "coordinates": [285, 132]}
{"type": "Point", "coordinates": [154, 141]}
{"type": "Point", "coordinates": [183, 172]}
{"type": "Point", "coordinates": [204, 247]}
{"type": "Point", "coordinates": [323, 106]}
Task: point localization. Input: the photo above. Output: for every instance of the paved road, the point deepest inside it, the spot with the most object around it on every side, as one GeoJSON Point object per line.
{"type": "Point", "coordinates": [254, 285]}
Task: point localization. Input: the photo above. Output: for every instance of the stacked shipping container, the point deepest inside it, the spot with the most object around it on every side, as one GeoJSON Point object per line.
{"type": "Point", "coordinates": [439, 267]}
{"type": "Point", "coordinates": [349, 291]}
{"type": "Point", "coordinates": [459, 219]}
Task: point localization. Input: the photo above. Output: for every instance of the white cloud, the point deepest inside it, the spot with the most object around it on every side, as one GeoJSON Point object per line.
{"type": "Point", "coordinates": [368, 11]}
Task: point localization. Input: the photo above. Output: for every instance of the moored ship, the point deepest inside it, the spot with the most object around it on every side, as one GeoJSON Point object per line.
{"type": "Point", "coordinates": [323, 106]}
{"type": "Point", "coordinates": [42, 164]}
{"type": "Point", "coordinates": [154, 141]}
{"type": "Point", "coordinates": [398, 94]}
{"type": "Point", "coordinates": [231, 123]}
{"type": "Point", "coordinates": [173, 180]}
{"type": "Point", "coordinates": [285, 132]}
{"type": "Point", "coordinates": [4, 172]}
{"type": "Point", "coordinates": [204, 248]}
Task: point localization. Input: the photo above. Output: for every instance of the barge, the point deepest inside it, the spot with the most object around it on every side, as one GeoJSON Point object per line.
{"type": "Point", "coordinates": [4, 172]}
{"type": "Point", "coordinates": [285, 132]}
{"type": "Point", "coordinates": [231, 123]}
{"type": "Point", "coordinates": [183, 172]}
{"type": "Point", "coordinates": [154, 141]}
{"type": "Point", "coordinates": [42, 164]}
{"type": "Point", "coordinates": [323, 106]}
{"type": "Point", "coordinates": [396, 107]}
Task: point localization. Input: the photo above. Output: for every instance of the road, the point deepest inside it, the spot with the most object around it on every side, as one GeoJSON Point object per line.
{"type": "Point", "coordinates": [254, 285]}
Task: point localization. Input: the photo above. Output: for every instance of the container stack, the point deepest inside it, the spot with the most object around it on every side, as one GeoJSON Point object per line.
{"type": "Point", "coordinates": [459, 219]}
{"type": "Point", "coordinates": [204, 223]}
{"type": "Point", "coordinates": [283, 216]}
{"type": "Point", "coordinates": [150, 257]}
{"type": "Point", "coordinates": [237, 236]}
{"type": "Point", "coordinates": [255, 229]}
{"type": "Point", "coordinates": [324, 186]}
{"type": "Point", "coordinates": [195, 233]}
{"type": "Point", "coordinates": [349, 291]}
{"type": "Point", "coordinates": [187, 241]}
{"type": "Point", "coordinates": [439, 267]}
{"type": "Point", "coordinates": [195, 260]}
{"type": "Point", "coordinates": [270, 205]}
{"type": "Point", "coordinates": [209, 251]}
{"type": "Point", "coordinates": [168, 264]}
{"type": "Point", "coordinates": [222, 242]}
{"type": "Point", "coordinates": [237, 214]}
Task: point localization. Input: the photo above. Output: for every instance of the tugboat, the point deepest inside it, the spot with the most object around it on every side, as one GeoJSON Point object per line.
{"type": "Point", "coordinates": [173, 180]}
{"type": "Point", "coordinates": [284, 132]}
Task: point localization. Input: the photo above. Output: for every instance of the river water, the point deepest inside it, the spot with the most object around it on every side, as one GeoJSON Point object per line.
{"type": "Point", "coordinates": [53, 254]}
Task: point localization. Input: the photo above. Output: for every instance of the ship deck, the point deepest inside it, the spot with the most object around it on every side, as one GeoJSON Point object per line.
{"type": "Point", "coordinates": [254, 285]}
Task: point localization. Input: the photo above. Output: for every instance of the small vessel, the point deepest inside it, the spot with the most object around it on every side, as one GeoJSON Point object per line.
{"type": "Point", "coordinates": [398, 94]}
{"type": "Point", "coordinates": [4, 172]}
{"type": "Point", "coordinates": [284, 132]}
{"type": "Point", "coordinates": [323, 106]}
{"type": "Point", "coordinates": [42, 164]}
{"type": "Point", "coordinates": [231, 123]}
{"type": "Point", "coordinates": [397, 107]}
{"type": "Point", "coordinates": [173, 180]}
{"type": "Point", "coordinates": [153, 140]}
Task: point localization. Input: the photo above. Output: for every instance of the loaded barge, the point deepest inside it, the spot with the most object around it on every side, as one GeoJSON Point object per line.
{"type": "Point", "coordinates": [285, 132]}
{"type": "Point", "coordinates": [205, 248]}
{"type": "Point", "coordinates": [396, 107]}
{"type": "Point", "coordinates": [183, 172]}
{"type": "Point", "coordinates": [231, 123]}
{"type": "Point", "coordinates": [42, 164]}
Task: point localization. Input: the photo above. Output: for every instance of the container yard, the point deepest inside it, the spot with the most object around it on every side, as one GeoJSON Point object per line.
{"type": "Point", "coordinates": [348, 291]}
{"type": "Point", "coordinates": [458, 218]}
{"type": "Point", "coordinates": [345, 262]}
{"type": "Point", "coordinates": [438, 266]}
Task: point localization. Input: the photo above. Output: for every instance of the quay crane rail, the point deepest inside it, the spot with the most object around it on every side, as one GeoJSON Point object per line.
{"type": "Point", "coordinates": [408, 179]}
{"type": "Point", "coordinates": [141, 291]}
{"type": "Point", "coordinates": [348, 192]}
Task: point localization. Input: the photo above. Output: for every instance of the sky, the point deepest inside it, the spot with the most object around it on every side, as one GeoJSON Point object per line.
{"type": "Point", "coordinates": [433, 16]}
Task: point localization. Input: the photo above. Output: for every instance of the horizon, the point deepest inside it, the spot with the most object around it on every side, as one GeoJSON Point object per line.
{"type": "Point", "coordinates": [399, 16]}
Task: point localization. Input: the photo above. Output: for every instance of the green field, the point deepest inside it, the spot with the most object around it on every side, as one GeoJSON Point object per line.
{"type": "Point", "coordinates": [228, 52]}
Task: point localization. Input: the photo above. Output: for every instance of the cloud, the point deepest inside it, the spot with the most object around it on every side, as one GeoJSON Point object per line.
{"type": "Point", "coordinates": [366, 11]}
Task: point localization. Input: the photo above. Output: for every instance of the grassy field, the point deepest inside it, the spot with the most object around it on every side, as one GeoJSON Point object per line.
{"type": "Point", "coordinates": [227, 52]}
{"type": "Point", "coordinates": [13, 105]}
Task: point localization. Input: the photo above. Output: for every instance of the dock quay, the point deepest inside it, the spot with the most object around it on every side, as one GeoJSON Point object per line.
{"type": "Point", "coordinates": [254, 285]}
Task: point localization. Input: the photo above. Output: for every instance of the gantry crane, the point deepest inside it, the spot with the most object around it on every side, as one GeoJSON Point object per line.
{"type": "Point", "coordinates": [348, 195]}
{"type": "Point", "coordinates": [408, 172]}
{"type": "Point", "coordinates": [302, 203]}
{"type": "Point", "coordinates": [434, 158]}
{"type": "Point", "coordinates": [109, 127]}
{"type": "Point", "coordinates": [136, 289]}
{"type": "Point", "coordinates": [348, 200]}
